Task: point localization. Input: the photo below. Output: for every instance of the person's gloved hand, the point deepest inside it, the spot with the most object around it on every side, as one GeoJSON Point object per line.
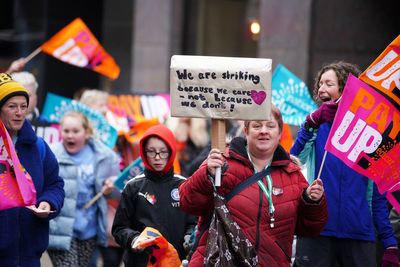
{"type": "Point", "coordinates": [325, 113]}
{"type": "Point", "coordinates": [390, 257]}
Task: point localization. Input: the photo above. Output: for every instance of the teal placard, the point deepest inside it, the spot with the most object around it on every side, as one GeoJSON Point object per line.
{"type": "Point", "coordinates": [134, 169]}
{"type": "Point", "coordinates": [56, 106]}
{"type": "Point", "coordinates": [290, 94]}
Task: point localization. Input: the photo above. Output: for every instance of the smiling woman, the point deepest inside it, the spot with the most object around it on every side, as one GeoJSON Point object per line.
{"type": "Point", "coordinates": [22, 227]}
{"type": "Point", "coordinates": [281, 203]}
{"type": "Point", "coordinates": [14, 100]}
{"type": "Point", "coordinates": [349, 236]}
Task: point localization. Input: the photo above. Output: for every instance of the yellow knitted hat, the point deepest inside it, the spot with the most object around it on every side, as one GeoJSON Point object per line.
{"type": "Point", "coordinates": [10, 88]}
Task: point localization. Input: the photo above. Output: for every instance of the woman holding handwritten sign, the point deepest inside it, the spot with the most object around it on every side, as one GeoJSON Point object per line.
{"type": "Point", "coordinates": [268, 211]}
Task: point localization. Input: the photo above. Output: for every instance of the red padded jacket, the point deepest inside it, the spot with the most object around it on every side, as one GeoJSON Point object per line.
{"type": "Point", "coordinates": [294, 213]}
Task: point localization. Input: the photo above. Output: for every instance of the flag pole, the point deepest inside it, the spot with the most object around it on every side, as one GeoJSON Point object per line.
{"type": "Point", "coordinates": [33, 54]}
{"type": "Point", "coordinates": [218, 140]}
{"type": "Point", "coordinates": [322, 165]}
{"type": "Point", "coordinates": [93, 200]}
{"type": "Point", "coordinates": [324, 157]}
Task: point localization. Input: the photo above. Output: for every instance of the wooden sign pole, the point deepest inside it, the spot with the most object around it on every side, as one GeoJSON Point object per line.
{"type": "Point", "coordinates": [218, 140]}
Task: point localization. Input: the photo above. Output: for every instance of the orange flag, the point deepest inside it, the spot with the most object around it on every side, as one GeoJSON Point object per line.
{"type": "Point", "coordinates": [163, 254]}
{"type": "Point", "coordinates": [76, 45]}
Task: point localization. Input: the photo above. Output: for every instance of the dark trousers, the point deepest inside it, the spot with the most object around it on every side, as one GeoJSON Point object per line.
{"type": "Point", "coordinates": [333, 252]}
{"type": "Point", "coordinates": [112, 256]}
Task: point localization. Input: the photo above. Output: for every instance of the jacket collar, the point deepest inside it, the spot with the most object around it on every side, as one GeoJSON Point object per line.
{"type": "Point", "coordinates": [158, 176]}
{"type": "Point", "coordinates": [26, 135]}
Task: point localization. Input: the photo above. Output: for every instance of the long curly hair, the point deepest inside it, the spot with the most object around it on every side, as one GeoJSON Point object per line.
{"type": "Point", "coordinates": [342, 70]}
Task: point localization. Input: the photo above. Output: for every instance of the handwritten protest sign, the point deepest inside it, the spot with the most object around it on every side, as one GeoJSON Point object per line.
{"type": "Point", "coordinates": [384, 73]}
{"type": "Point", "coordinates": [220, 87]}
{"type": "Point", "coordinates": [365, 134]}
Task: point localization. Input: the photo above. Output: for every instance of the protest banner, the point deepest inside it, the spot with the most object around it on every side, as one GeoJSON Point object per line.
{"type": "Point", "coordinates": [50, 132]}
{"type": "Point", "coordinates": [291, 96]}
{"type": "Point", "coordinates": [56, 106]}
{"type": "Point", "coordinates": [142, 107]}
{"type": "Point", "coordinates": [393, 196]}
{"type": "Point", "coordinates": [365, 134]}
{"type": "Point", "coordinates": [75, 44]}
{"type": "Point", "coordinates": [220, 88]}
{"type": "Point", "coordinates": [384, 73]}
{"type": "Point", "coordinates": [16, 185]}
{"type": "Point", "coordinates": [134, 169]}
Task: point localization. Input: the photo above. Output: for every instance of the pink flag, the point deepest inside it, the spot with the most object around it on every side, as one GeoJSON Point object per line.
{"type": "Point", "coordinates": [365, 134]}
{"type": "Point", "coordinates": [16, 185]}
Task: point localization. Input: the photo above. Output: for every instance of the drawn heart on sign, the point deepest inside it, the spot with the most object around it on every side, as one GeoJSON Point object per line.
{"type": "Point", "coordinates": [258, 97]}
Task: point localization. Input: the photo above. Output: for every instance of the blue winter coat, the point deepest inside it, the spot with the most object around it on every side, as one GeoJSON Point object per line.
{"type": "Point", "coordinates": [24, 236]}
{"type": "Point", "coordinates": [107, 164]}
{"type": "Point", "coordinates": [355, 209]}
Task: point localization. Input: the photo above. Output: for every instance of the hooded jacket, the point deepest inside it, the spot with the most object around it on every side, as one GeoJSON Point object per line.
{"type": "Point", "coordinates": [249, 208]}
{"type": "Point", "coordinates": [355, 210]}
{"type": "Point", "coordinates": [152, 199]}
{"type": "Point", "coordinates": [24, 236]}
{"type": "Point", "coordinates": [106, 165]}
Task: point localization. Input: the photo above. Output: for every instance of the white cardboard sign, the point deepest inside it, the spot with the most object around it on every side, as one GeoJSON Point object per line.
{"type": "Point", "coordinates": [220, 87]}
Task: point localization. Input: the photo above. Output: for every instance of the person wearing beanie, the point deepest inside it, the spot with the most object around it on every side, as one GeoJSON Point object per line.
{"type": "Point", "coordinates": [28, 81]}
{"type": "Point", "coordinates": [152, 199]}
{"type": "Point", "coordinates": [24, 233]}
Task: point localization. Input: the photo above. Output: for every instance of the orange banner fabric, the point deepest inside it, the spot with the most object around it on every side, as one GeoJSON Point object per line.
{"type": "Point", "coordinates": [76, 45]}
{"type": "Point", "coordinates": [384, 73]}
{"type": "Point", "coordinates": [287, 138]}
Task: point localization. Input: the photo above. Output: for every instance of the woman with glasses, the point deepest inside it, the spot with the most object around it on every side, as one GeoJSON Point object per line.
{"type": "Point", "coordinates": [152, 199]}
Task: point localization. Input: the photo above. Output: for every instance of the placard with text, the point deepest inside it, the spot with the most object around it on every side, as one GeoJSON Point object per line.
{"type": "Point", "coordinates": [220, 87]}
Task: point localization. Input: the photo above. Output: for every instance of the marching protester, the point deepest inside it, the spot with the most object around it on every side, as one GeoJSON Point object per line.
{"type": "Point", "coordinates": [24, 233]}
{"type": "Point", "coordinates": [357, 211]}
{"type": "Point", "coordinates": [152, 199]}
{"type": "Point", "coordinates": [270, 211]}
{"type": "Point", "coordinates": [112, 254]}
{"type": "Point", "coordinates": [88, 168]}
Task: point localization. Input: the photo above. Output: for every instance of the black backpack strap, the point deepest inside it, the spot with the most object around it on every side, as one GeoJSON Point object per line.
{"type": "Point", "coordinates": [237, 189]}
{"type": "Point", "coordinates": [246, 183]}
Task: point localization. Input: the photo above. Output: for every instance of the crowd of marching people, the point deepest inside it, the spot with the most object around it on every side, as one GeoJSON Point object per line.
{"type": "Point", "coordinates": [265, 201]}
